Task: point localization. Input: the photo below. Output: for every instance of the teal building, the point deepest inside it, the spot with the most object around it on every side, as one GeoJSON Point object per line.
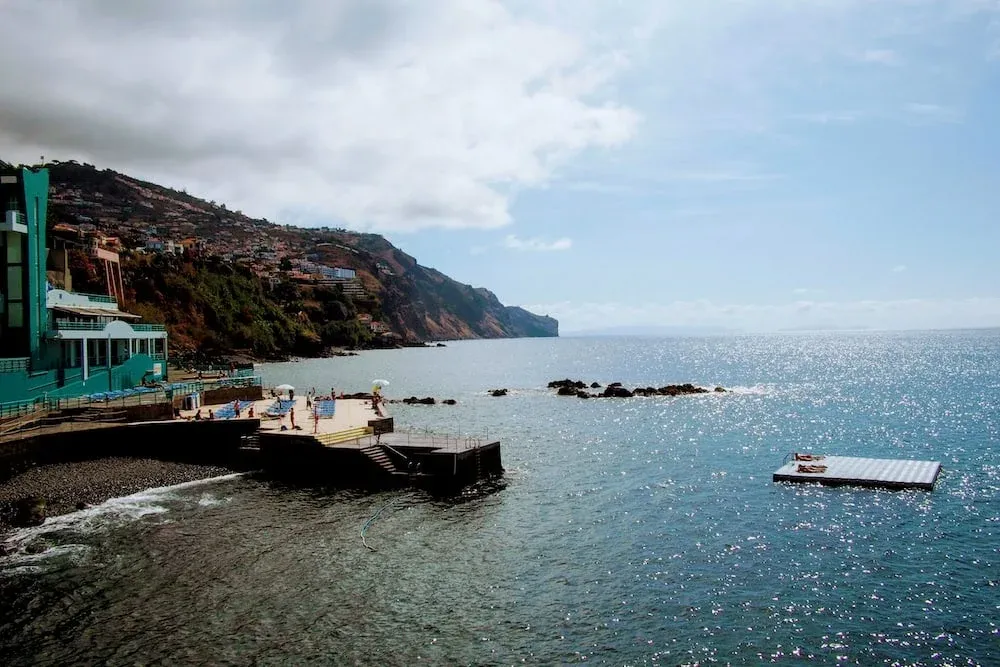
{"type": "Point", "coordinates": [54, 343]}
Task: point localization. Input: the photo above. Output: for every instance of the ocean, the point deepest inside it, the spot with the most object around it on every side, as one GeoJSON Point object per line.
{"type": "Point", "coordinates": [625, 531]}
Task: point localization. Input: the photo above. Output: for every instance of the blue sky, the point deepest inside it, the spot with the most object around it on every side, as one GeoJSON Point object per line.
{"type": "Point", "coordinates": [752, 165]}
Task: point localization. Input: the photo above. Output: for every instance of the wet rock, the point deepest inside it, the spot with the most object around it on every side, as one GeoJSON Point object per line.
{"type": "Point", "coordinates": [30, 511]}
{"type": "Point", "coordinates": [36, 547]}
{"type": "Point", "coordinates": [498, 392]}
{"type": "Point", "coordinates": [681, 389]}
{"type": "Point", "coordinates": [413, 400]}
{"type": "Point", "coordinates": [567, 391]}
{"type": "Point", "coordinates": [595, 385]}
{"type": "Point", "coordinates": [720, 390]}
{"type": "Point", "coordinates": [449, 401]}
{"type": "Point", "coordinates": [582, 394]}
{"type": "Point", "coordinates": [572, 384]}
{"type": "Point", "coordinates": [616, 391]}
{"type": "Point", "coordinates": [440, 345]}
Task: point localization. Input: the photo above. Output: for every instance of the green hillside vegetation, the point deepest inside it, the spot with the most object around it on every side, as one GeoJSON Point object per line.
{"type": "Point", "coordinates": [247, 286]}
{"type": "Point", "coordinates": [212, 308]}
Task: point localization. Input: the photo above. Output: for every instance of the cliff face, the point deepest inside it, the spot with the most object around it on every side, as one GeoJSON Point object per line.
{"type": "Point", "coordinates": [410, 301]}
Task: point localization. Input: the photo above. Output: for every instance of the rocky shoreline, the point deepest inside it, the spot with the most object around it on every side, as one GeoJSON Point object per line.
{"type": "Point", "coordinates": [60, 488]}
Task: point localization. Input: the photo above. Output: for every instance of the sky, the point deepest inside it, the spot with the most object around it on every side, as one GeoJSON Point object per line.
{"type": "Point", "coordinates": [748, 165]}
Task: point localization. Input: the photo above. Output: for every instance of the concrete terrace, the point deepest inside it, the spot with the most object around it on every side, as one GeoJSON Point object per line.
{"type": "Point", "coordinates": [349, 414]}
{"type": "Point", "coordinates": [340, 430]}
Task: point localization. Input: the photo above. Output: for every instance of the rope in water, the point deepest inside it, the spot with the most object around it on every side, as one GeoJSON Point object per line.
{"type": "Point", "coordinates": [369, 522]}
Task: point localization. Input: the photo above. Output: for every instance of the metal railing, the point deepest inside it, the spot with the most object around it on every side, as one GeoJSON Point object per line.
{"type": "Point", "coordinates": [149, 327]}
{"type": "Point", "coordinates": [99, 298]}
{"type": "Point", "coordinates": [70, 325]}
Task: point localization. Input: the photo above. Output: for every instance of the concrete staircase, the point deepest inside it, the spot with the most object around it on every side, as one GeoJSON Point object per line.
{"type": "Point", "coordinates": [377, 455]}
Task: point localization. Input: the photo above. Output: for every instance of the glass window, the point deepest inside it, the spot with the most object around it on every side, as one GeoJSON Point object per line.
{"type": "Point", "coordinates": [13, 248]}
{"type": "Point", "coordinates": [14, 287]}
{"type": "Point", "coordinates": [15, 314]}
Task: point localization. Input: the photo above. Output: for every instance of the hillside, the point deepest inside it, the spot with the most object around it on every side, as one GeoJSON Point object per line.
{"type": "Point", "coordinates": [225, 282]}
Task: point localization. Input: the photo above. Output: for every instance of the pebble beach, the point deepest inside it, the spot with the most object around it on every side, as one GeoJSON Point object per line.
{"type": "Point", "coordinates": [65, 485]}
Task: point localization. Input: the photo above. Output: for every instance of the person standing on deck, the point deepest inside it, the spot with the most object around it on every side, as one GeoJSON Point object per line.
{"type": "Point", "coordinates": [291, 415]}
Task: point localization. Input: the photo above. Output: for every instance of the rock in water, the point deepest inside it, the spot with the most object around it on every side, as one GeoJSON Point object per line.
{"type": "Point", "coordinates": [571, 384]}
{"type": "Point", "coordinates": [30, 511]}
{"type": "Point", "coordinates": [498, 392]}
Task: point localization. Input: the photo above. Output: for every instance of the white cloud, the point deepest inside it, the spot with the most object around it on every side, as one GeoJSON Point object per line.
{"type": "Point", "coordinates": [899, 268]}
{"type": "Point", "coordinates": [891, 314]}
{"type": "Point", "coordinates": [881, 57]}
{"type": "Point", "coordinates": [922, 113]}
{"type": "Point", "coordinates": [536, 245]}
{"type": "Point", "coordinates": [375, 113]}
{"type": "Point", "coordinates": [829, 117]}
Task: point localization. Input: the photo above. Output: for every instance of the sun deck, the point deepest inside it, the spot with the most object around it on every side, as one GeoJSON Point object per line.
{"type": "Point", "coordinates": [347, 414]}
{"type": "Point", "coordinates": [848, 470]}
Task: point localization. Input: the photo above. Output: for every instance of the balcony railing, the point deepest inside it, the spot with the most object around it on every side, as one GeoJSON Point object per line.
{"type": "Point", "coordinates": [69, 325]}
{"type": "Point", "coordinates": [98, 298]}
{"type": "Point", "coordinates": [149, 327]}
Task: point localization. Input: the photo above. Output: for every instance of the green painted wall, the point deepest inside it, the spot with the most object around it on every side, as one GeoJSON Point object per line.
{"type": "Point", "coordinates": [36, 198]}
{"type": "Point", "coordinates": [22, 386]}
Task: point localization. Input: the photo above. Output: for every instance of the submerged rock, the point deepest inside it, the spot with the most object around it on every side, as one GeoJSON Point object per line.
{"type": "Point", "coordinates": [569, 387]}
{"type": "Point", "coordinates": [572, 384]}
{"type": "Point", "coordinates": [498, 392]}
{"type": "Point", "coordinates": [449, 401]}
{"type": "Point", "coordinates": [30, 511]}
{"type": "Point", "coordinates": [616, 390]}
{"type": "Point", "coordinates": [36, 547]}
{"type": "Point", "coordinates": [413, 400]}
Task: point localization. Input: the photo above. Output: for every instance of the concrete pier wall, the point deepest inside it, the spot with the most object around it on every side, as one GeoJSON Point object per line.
{"type": "Point", "coordinates": [215, 443]}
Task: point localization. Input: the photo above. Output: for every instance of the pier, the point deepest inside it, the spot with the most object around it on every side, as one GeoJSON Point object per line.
{"type": "Point", "coordinates": [852, 471]}
{"type": "Point", "coordinates": [350, 442]}
{"type": "Point", "coordinates": [344, 442]}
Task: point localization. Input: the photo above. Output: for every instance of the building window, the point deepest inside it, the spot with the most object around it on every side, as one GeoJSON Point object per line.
{"type": "Point", "coordinates": [15, 314]}
{"type": "Point", "coordinates": [14, 286]}
{"type": "Point", "coordinates": [13, 248]}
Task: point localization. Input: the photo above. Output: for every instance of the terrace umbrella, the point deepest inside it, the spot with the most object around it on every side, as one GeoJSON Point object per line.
{"type": "Point", "coordinates": [284, 388]}
{"type": "Point", "coordinates": [381, 383]}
